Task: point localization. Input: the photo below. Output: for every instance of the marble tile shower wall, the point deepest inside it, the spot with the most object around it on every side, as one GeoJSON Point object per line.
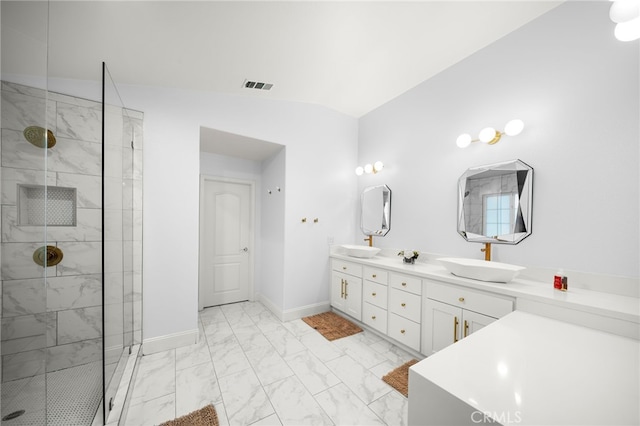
{"type": "Point", "coordinates": [58, 324]}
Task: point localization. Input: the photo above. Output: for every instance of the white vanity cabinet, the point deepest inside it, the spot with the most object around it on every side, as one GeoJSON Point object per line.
{"type": "Point", "coordinates": [346, 287]}
{"type": "Point", "coordinates": [405, 309]}
{"type": "Point", "coordinates": [374, 298]}
{"type": "Point", "coordinates": [451, 313]}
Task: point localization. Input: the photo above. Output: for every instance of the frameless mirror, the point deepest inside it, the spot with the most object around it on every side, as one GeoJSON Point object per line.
{"type": "Point", "coordinates": [494, 203]}
{"type": "Point", "coordinates": [375, 204]}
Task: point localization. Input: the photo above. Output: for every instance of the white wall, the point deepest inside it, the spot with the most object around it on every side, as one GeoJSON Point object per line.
{"type": "Point", "coordinates": [272, 230]}
{"type": "Point", "coordinates": [320, 153]}
{"type": "Point", "coordinates": [576, 88]}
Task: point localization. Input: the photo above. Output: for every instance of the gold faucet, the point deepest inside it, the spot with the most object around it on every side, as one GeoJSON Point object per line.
{"type": "Point", "coordinates": [370, 239]}
{"type": "Point", "coordinates": [487, 251]}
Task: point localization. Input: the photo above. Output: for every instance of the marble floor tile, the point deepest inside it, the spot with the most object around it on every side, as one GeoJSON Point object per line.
{"type": "Point", "coordinates": [155, 377]}
{"type": "Point", "coordinates": [196, 387]}
{"type": "Point", "coordinates": [152, 412]}
{"type": "Point", "coordinates": [268, 365]}
{"type": "Point", "coordinates": [345, 408]}
{"type": "Point", "coordinates": [294, 404]}
{"type": "Point", "coordinates": [284, 342]}
{"type": "Point", "coordinates": [392, 408]}
{"type": "Point", "coordinates": [245, 400]}
{"type": "Point", "coordinates": [312, 372]}
{"type": "Point", "coordinates": [320, 346]}
{"type": "Point", "coordinates": [359, 379]}
{"type": "Point", "coordinates": [358, 349]}
{"type": "Point", "coordinates": [251, 337]}
{"type": "Point", "coordinates": [257, 370]}
{"type": "Point", "coordinates": [191, 355]}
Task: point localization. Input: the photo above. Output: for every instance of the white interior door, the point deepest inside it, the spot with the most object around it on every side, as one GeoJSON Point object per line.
{"type": "Point", "coordinates": [226, 236]}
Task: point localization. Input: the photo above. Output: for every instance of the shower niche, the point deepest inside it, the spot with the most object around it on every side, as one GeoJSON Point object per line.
{"type": "Point", "coordinates": [50, 206]}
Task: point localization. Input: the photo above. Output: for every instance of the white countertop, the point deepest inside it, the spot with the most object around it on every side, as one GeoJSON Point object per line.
{"type": "Point", "coordinates": [612, 305]}
{"type": "Point", "coordinates": [533, 370]}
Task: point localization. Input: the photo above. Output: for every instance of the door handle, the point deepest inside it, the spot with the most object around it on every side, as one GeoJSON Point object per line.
{"type": "Point", "coordinates": [246, 249]}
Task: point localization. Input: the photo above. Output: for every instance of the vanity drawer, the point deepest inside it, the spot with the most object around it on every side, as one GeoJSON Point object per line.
{"type": "Point", "coordinates": [406, 283]}
{"type": "Point", "coordinates": [405, 331]}
{"type": "Point", "coordinates": [375, 294]}
{"type": "Point", "coordinates": [405, 304]}
{"type": "Point", "coordinates": [376, 275]}
{"type": "Point", "coordinates": [375, 317]}
{"type": "Point", "coordinates": [346, 267]}
{"type": "Point", "coordinates": [483, 303]}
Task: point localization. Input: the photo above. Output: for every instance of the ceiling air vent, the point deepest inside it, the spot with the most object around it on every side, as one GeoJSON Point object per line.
{"type": "Point", "coordinates": [257, 85]}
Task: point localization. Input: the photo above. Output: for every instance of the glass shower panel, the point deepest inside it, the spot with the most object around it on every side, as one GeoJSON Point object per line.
{"type": "Point", "coordinates": [122, 247]}
{"type": "Point", "coordinates": [26, 132]}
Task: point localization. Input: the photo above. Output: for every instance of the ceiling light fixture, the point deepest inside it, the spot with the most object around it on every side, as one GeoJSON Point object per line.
{"type": "Point", "coordinates": [491, 136]}
{"type": "Point", "coordinates": [370, 168]}
{"type": "Point", "coordinates": [626, 15]}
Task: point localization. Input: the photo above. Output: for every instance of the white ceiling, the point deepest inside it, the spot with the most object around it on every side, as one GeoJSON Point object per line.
{"type": "Point", "coordinates": [348, 56]}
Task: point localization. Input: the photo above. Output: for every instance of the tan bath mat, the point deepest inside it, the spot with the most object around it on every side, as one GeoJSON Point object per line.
{"type": "Point", "coordinates": [399, 378]}
{"type": "Point", "coordinates": [332, 326]}
{"type": "Point", "coordinates": [206, 416]}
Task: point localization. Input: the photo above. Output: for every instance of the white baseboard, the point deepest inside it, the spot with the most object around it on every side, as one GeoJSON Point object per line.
{"type": "Point", "coordinates": [169, 341]}
{"type": "Point", "coordinates": [275, 310]}
{"type": "Point", "coordinates": [292, 314]}
{"type": "Point", "coordinates": [305, 311]}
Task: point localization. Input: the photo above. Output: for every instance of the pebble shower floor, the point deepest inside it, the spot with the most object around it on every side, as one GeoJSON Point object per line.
{"type": "Point", "coordinates": [64, 389]}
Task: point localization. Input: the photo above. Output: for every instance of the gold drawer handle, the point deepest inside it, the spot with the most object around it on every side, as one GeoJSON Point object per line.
{"type": "Point", "coordinates": [461, 299]}
{"type": "Point", "coordinates": [373, 317]}
{"type": "Point", "coordinates": [373, 275]}
{"type": "Point", "coordinates": [404, 284]}
{"type": "Point", "coordinates": [403, 304]}
{"type": "Point", "coordinates": [402, 331]}
{"type": "Point", "coordinates": [373, 294]}
{"type": "Point", "coordinates": [344, 268]}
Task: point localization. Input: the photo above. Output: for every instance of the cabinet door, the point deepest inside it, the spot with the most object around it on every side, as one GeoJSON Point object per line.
{"type": "Point", "coordinates": [473, 321]}
{"type": "Point", "coordinates": [441, 326]}
{"type": "Point", "coordinates": [353, 297]}
{"type": "Point", "coordinates": [337, 291]}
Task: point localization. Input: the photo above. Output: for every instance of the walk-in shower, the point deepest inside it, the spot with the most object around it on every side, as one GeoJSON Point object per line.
{"type": "Point", "coordinates": [71, 236]}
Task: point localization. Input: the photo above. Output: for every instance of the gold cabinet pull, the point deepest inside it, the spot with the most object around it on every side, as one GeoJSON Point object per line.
{"type": "Point", "coordinates": [344, 268]}
{"type": "Point", "coordinates": [373, 317]}
{"type": "Point", "coordinates": [404, 284]}
{"type": "Point", "coordinates": [466, 328]}
{"type": "Point", "coordinates": [373, 294]}
{"type": "Point", "coordinates": [342, 288]}
{"type": "Point", "coordinates": [346, 289]}
{"type": "Point", "coordinates": [403, 304]}
{"type": "Point", "coordinates": [461, 299]}
{"type": "Point", "coordinates": [373, 275]}
{"type": "Point", "coordinates": [402, 331]}
{"type": "Point", "coordinates": [455, 329]}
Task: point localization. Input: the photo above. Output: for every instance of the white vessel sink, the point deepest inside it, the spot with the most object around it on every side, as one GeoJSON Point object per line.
{"type": "Point", "coordinates": [481, 269]}
{"type": "Point", "coordinates": [360, 251]}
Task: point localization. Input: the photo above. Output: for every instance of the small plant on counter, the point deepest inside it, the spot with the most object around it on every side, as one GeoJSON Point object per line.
{"type": "Point", "coordinates": [409, 256]}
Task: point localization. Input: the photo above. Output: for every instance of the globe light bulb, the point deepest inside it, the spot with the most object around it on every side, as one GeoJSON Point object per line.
{"type": "Point", "coordinates": [377, 166]}
{"type": "Point", "coordinates": [624, 10]}
{"type": "Point", "coordinates": [514, 127]}
{"type": "Point", "coordinates": [487, 134]}
{"type": "Point", "coordinates": [368, 168]}
{"type": "Point", "coordinates": [464, 140]}
{"type": "Point", "coordinates": [628, 31]}
{"type": "Point", "coordinates": [359, 170]}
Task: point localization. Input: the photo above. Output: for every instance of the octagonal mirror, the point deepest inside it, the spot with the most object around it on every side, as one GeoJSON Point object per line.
{"type": "Point", "coordinates": [495, 203]}
{"type": "Point", "coordinates": [375, 204]}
